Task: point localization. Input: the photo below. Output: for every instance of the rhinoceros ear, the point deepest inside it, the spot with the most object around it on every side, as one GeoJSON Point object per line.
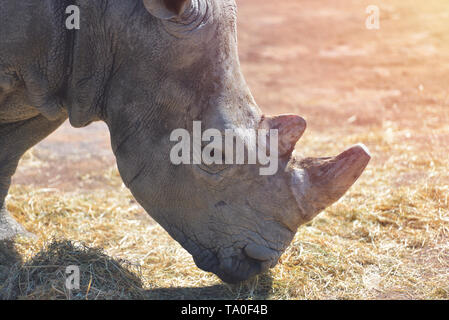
{"type": "Point", "coordinates": [166, 9]}
{"type": "Point", "coordinates": [290, 129]}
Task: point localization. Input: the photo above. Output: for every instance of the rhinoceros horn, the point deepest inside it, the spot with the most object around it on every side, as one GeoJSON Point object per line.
{"type": "Point", "coordinates": [316, 183]}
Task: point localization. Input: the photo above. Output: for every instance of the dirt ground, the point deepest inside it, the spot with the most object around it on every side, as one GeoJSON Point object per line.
{"type": "Point", "coordinates": [387, 88]}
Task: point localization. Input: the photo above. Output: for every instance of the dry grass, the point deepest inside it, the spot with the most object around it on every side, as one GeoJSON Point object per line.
{"type": "Point", "coordinates": [387, 238]}
{"type": "Point", "coordinates": [44, 276]}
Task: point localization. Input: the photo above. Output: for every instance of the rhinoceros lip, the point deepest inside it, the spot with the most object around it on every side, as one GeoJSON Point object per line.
{"type": "Point", "coordinates": [259, 252]}
{"type": "Point", "coordinates": [241, 267]}
{"type": "Point", "coordinates": [239, 263]}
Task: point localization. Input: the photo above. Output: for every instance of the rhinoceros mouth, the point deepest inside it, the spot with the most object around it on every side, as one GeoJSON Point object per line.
{"type": "Point", "coordinates": [240, 265]}
{"type": "Point", "coordinates": [234, 264]}
{"type": "Point", "coordinates": [236, 268]}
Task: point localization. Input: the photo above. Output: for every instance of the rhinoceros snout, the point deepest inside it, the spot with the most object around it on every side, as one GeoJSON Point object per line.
{"type": "Point", "coordinates": [250, 261]}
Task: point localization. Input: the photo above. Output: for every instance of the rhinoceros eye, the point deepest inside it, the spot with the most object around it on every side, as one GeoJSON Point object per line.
{"type": "Point", "coordinates": [213, 174]}
{"type": "Point", "coordinates": [213, 168]}
{"type": "Point", "coordinates": [213, 161]}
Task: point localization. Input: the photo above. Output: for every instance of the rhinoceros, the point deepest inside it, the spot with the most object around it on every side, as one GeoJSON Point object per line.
{"type": "Point", "coordinates": [147, 68]}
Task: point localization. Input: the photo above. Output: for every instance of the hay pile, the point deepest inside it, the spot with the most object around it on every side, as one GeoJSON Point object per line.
{"type": "Point", "coordinates": [44, 276]}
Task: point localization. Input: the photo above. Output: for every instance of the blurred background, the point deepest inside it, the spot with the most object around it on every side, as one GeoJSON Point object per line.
{"type": "Point", "coordinates": [388, 238]}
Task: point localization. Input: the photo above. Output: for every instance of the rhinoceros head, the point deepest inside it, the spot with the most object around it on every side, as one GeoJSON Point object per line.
{"type": "Point", "coordinates": [235, 221]}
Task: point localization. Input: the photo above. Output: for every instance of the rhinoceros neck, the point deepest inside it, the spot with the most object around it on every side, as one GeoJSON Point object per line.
{"type": "Point", "coordinates": [91, 62]}
{"type": "Point", "coordinates": [105, 53]}
{"type": "Point", "coordinates": [35, 54]}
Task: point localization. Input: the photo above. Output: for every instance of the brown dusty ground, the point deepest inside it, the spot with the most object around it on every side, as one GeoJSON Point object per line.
{"type": "Point", "coordinates": [388, 88]}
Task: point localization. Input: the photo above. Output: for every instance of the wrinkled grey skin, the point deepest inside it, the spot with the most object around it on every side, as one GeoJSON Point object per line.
{"type": "Point", "coordinates": [146, 70]}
